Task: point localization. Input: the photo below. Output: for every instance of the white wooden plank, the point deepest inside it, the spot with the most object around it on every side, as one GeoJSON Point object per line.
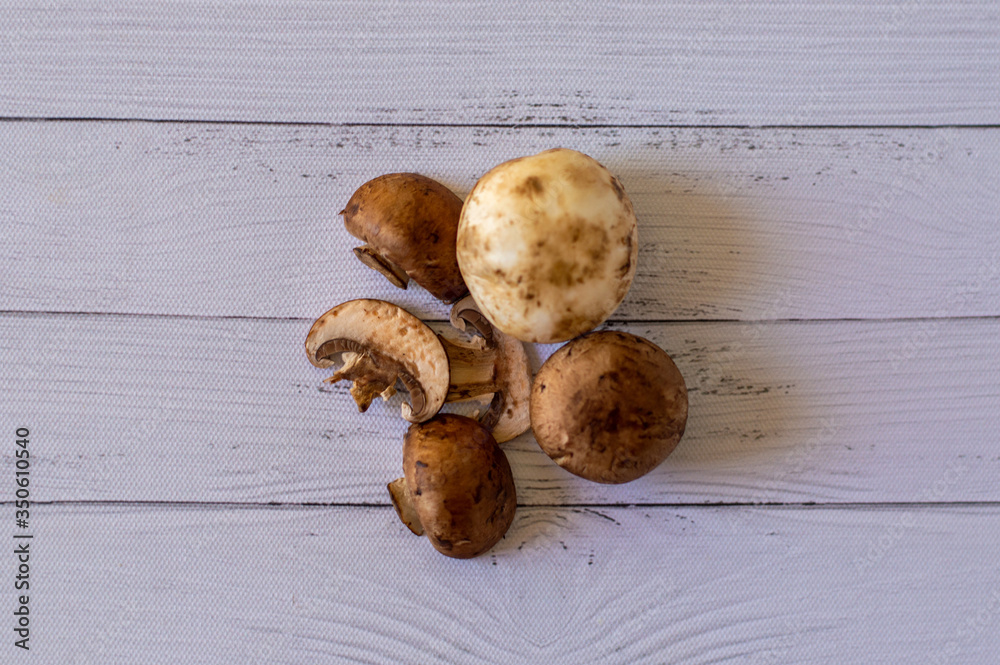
{"type": "Point", "coordinates": [219, 585]}
{"type": "Point", "coordinates": [629, 62]}
{"type": "Point", "coordinates": [176, 409]}
{"type": "Point", "coordinates": [734, 224]}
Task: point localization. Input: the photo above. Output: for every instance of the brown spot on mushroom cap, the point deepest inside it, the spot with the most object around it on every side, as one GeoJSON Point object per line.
{"type": "Point", "coordinates": [460, 484]}
{"type": "Point", "coordinates": [410, 223]}
{"type": "Point", "coordinates": [609, 406]}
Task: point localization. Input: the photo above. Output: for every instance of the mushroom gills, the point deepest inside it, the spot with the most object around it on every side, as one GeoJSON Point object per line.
{"type": "Point", "coordinates": [371, 374]}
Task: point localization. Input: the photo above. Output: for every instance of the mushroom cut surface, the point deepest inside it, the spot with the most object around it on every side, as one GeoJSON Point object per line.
{"type": "Point", "coordinates": [378, 344]}
{"type": "Point", "coordinates": [409, 223]}
{"type": "Point", "coordinates": [609, 406]}
{"type": "Point", "coordinates": [458, 488]}
{"type": "Point", "coordinates": [496, 365]}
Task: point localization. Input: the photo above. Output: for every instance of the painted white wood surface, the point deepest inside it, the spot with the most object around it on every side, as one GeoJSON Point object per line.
{"type": "Point", "coordinates": [126, 584]}
{"type": "Point", "coordinates": [828, 284]}
{"type": "Point", "coordinates": [612, 63]}
{"type": "Point", "coordinates": [148, 408]}
{"type": "Point", "coordinates": [223, 220]}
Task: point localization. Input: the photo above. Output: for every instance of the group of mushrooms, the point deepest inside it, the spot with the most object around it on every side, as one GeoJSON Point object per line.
{"type": "Point", "coordinates": [542, 250]}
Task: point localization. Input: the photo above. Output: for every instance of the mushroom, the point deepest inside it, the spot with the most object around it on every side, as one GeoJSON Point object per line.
{"type": "Point", "coordinates": [495, 364]}
{"type": "Point", "coordinates": [409, 223]}
{"type": "Point", "coordinates": [380, 343]}
{"type": "Point", "coordinates": [457, 487]}
{"type": "Point", "coordinates": [547, 245]}
{"type": "Point", "coordinates": [609, 406]}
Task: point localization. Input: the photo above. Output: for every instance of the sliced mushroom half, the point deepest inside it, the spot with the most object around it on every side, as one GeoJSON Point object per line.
{"type": "Point", "coordinates": [378, 344]}
{"type": "Point", "coordinates": [493, 363]}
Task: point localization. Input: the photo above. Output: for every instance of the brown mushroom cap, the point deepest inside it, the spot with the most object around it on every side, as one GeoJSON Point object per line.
{"type": "Point", "coordinates": [609, 406]}
{"type": "Point", "coordinates": [410, 223]}
{"type": "Point", "coordinates": [458, 482]}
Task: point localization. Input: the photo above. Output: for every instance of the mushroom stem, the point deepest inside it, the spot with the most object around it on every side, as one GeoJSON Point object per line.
{"type": "Point", "coordinates": [492, 363]}
{"type": "Point", "coordinates": [393, 272]}
{"type": "Point", "coordinates": [402, 501]}
{"type": "Point", "coordinates": [473, 370]}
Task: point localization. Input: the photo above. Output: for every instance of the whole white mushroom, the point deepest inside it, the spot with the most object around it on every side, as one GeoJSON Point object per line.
{"type": "Point", "coordinates": [547, 245]}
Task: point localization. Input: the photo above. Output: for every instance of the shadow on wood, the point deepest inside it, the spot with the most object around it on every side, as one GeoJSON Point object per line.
{"type": "Point", "coordinates": [714, 239]}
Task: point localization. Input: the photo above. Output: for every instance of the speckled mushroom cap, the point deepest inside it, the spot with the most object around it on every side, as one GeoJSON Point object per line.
{"type": "Point", "coordinates": [609, 406]}
{"type": "Point", "coordinates": [547, 245]}
{"type": "Point", "coordinates": [411, 222]}
{"type": "Point", "coordinates": [460, 484]}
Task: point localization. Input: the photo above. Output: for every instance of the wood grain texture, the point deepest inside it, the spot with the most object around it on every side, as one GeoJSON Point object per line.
{"type": "Point", "coordinates": [222, 220]}
{"type": "Point", "coordinates": [820, 253]}
{"type": "Point", "coordinates": [145, 408]}
{"type": "Point", "coordinates": [650, 585]}
{"type": "Point", "coordinates": [610, 63]}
